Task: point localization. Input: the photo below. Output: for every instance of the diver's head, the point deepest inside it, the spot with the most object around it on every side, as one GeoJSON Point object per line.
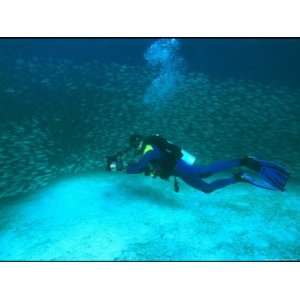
{"type": "Point", "coordinates": [136, 141]}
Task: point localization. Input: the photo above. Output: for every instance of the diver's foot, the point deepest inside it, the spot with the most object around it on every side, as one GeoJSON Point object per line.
{"type": "Point", "coordinates": [239, 176]}
{"type": "Point", "coordinates": [270, 172]}
{"type": "Point", "coordinates": [251, 162]}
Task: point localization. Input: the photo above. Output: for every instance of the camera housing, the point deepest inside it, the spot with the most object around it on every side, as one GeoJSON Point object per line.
{"type": "Point", "coordinates": [114, 163]}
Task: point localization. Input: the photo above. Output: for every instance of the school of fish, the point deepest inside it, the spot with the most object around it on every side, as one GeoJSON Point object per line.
{"type": "Point", "coordinates": [62, 118]}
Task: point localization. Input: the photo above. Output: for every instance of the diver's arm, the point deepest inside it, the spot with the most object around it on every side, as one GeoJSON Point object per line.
{"type": "Point", "coordinates": [140, 166]}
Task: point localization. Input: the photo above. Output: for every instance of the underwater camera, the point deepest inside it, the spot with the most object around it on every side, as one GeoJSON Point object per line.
{"type": "Point", "coordinates": [114, 163]}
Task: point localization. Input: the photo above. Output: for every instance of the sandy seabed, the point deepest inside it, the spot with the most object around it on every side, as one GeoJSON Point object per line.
{"type": "Point", "coordinates": [108, 217]}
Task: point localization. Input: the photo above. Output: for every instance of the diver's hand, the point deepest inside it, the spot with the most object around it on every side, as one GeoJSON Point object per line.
{"type": "Point", "coordinates": [128, 163]}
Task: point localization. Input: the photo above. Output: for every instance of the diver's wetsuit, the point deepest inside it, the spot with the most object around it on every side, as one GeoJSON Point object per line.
{"type": "Point", "coordinates": [191, 174]}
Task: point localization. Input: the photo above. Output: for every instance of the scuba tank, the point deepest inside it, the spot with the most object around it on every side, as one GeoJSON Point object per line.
{"type": "Point", "coordinates": [188, 158]}
{"type": "Point", "coordinates": [167, 147]}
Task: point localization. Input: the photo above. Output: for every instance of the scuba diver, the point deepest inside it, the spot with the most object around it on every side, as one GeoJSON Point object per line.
{"type": "Point", "coordinates": [162, 158]}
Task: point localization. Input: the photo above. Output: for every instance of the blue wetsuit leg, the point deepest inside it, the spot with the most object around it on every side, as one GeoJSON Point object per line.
{"type": "Point", "coordinates": [199, 184]}
{"type": "Point", "coordinates": [192, 174]}
{"type": "Point", "coordinates": [204, 171]}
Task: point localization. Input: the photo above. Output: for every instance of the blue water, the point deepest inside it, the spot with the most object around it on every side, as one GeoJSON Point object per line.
{"type": "Point", "coordinates": [252, 58]}
{"type": "Point", "coordinates": [68, 103]}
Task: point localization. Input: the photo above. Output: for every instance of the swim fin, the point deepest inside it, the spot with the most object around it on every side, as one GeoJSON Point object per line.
{"type": "Point", "coordinates": [269, 172]}
{"type": "Point", "coordinates": [257, 182]}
